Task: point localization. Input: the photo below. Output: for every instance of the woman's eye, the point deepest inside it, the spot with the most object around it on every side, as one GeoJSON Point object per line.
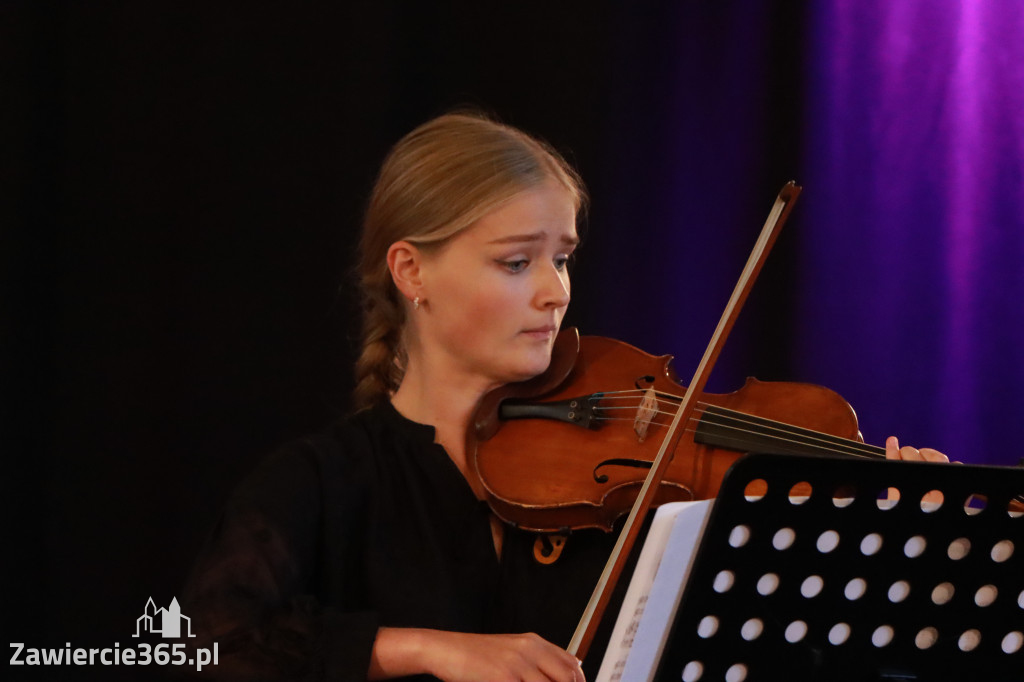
{"type": "Point", "coordinates": [515, 265]}
{"type": "Point", "coordinates": [561, 262]}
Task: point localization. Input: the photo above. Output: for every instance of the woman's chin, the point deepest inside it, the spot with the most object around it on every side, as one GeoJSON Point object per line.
{"type": "Point", "coordinates": [531, 370]}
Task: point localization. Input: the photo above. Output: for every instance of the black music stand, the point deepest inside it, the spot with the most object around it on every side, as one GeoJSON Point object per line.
{"type": "Point", "coordinates": [846, 584]}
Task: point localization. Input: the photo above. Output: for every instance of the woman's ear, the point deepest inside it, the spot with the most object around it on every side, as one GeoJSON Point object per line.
{"type": "Point", "coordinates": [405, 262]}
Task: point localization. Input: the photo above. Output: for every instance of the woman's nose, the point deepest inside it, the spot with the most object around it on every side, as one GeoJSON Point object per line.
{"type": "Point", "coordinates": [553, 290]}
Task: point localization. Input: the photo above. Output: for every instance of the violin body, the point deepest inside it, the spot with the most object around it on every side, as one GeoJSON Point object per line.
{"type": "Point", "coordinates": [576, 455]}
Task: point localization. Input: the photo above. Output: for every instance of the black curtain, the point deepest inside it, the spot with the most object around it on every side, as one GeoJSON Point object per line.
{"type": "Point", "coordinates": [183, 183]}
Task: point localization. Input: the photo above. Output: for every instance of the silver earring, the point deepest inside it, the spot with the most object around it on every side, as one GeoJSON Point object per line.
{"type": "Point", "coordinates": [416, 303]}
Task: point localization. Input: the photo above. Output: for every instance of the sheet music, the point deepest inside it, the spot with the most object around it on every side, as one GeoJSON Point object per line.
{"type": "Point", "coordinates": [654, 591]}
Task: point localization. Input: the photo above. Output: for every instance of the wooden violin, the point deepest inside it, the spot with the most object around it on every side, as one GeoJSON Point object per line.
{"type": "Point", "coordinates": [596, 432]}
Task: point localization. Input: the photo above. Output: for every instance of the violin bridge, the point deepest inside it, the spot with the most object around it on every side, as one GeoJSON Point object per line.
{"type": "Point", "coordinates": [645, 414]}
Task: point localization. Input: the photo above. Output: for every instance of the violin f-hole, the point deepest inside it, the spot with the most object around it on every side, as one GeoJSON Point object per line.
{"type": "Point", "coordinates": [622, 462]}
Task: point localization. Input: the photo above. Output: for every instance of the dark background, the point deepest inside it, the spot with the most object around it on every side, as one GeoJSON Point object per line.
{"type": "Point", "coordinates": [182, 190]}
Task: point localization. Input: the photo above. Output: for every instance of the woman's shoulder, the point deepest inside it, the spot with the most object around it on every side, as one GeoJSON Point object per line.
{"type": "Point", "coordinates": [354, 446]}
{"type": "Point", "coordinates": [371, 434]}
{"type": "Point", "coordinates": [304, 470]}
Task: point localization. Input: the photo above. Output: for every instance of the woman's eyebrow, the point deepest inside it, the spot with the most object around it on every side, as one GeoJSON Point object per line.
{"type": "Point", "coordinates": [534, 237]}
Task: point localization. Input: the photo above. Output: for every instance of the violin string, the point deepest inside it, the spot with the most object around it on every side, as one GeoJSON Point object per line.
{"type": "Point", "coordinates": [792, 433]}
{"type": "Point", "coordinates": [828, 447]}
{"type": "Point", "coordinates": [764, 428]}
{"type": "Point", "coordinates": [741, 417]}
{"type": "Point", "coordinates": [858, 449]}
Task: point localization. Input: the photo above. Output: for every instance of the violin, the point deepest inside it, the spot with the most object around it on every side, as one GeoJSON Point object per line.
{"type": "Point", "coordinates": [597, 424]}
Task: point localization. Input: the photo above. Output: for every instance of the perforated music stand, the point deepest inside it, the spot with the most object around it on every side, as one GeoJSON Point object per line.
{"type": "Point", "coordinates": [845, 583]}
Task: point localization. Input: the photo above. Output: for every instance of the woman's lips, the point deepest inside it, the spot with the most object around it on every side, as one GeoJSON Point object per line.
{"type": "Point", "coordinates": [540, 332]}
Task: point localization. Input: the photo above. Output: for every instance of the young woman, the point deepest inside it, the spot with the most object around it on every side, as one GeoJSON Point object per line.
{"type": "Point", "coordinates": [367, 552]}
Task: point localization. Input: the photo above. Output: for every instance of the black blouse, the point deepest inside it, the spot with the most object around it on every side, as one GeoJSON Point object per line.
{"type": "Point", "coordinates": [371, 524]}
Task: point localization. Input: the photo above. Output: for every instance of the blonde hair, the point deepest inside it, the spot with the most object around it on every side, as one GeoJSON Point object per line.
{"type": "Point", "coordinates": [434, 183]}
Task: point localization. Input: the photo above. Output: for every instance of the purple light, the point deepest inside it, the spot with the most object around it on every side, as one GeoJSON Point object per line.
{"type": "Point", "coordinates": [915, 219]}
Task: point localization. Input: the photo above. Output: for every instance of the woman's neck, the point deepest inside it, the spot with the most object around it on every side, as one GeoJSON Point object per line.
{"type": "Point", "coordinates": [448, 407]}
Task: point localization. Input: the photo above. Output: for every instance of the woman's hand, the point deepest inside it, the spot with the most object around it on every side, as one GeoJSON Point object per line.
{"type": "Point", "coordinates": [466, 657]}
{"type": "Point", "coordinates": [894, 451]}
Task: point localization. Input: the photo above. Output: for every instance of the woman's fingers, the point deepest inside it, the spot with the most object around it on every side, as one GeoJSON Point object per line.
{"type": "Point", "coordinates": [554, 664]}
{"type": "Point", "coordinates": [465, 657]}
{"type": "Point", "coordinates": [911, 454]}
{"type": "Point", "coordinates": [930, 455]}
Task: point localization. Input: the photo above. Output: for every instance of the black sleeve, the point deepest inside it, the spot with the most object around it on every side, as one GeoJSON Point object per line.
{"type": "Point", "coordinates": [254, 588]}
